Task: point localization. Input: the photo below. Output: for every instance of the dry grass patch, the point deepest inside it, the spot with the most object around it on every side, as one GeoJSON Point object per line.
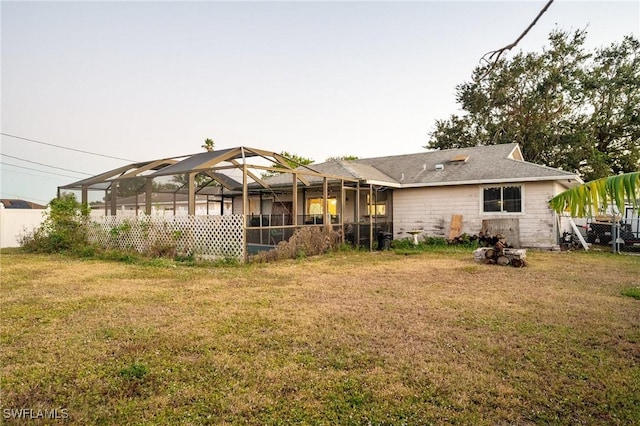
{"type": "Point", "coordinates": [349, 338]}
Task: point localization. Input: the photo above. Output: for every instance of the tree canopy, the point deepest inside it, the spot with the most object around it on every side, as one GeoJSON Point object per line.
{"type": "Point", "coordinates": [293, 160]}
{"type": "Point", "coordinates": [567, 107]}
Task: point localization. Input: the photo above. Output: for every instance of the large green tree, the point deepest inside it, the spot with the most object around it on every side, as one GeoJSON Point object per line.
{"type": "Point", "coordinates": [567, 107]}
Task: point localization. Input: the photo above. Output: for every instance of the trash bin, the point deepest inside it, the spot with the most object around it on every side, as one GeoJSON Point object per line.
{"type": "Point", "coordinates": [384, 240]}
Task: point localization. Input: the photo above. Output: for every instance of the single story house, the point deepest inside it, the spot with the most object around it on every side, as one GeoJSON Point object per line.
{"type": "Point", "coordinates": [255, 199]}
{"type": "Point", "coordinates": [492, 188]}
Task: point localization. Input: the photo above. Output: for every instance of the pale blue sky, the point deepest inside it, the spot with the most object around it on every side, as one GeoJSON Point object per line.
{"type": "Point", "coordinates": [144, 80]}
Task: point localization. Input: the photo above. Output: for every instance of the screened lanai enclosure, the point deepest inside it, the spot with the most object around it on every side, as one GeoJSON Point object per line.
{"type": "Point", "coordinates": [230, 203]}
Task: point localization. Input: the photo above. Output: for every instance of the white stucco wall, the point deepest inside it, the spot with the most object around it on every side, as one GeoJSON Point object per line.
{"type": "Point", "coordinates": [15, 223]}
{"type": "Point", "coordinates": [430, 210]}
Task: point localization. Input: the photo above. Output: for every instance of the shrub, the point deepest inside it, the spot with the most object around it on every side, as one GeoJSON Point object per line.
{"type": "Point", "coordinates": [435, 241]}
{"type": "Point", "coordinates": [64, 228]}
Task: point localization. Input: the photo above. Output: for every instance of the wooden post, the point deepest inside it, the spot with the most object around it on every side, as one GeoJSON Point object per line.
{"type": "Point", "coordinates": [343, 202]}
{"type": "Point", "coordinates": [325, 203]}
{"type": "Point", "coordinates": [357, 215]}
{"type": "Point", "coordinates": [84, 197]}
{"type": "Point", "coordinates": [294, 199]}
{"type": "Point", "coordinates": [245, 193]}
{"type": "Point", "coordinates": [175, 204]}
{"type": "Point", "coordinates": [304, 205]}
{"type": "Point", "coordinates": [260, 211]}
{"type": "Point", "coordinates": [148, 189]}
{"type": "Point", "coordinates": [192, 194]}
{"type": "Point", "coordinates": [370, 216]}
{"type": "Point", "coordinates": [245, 208]}
{"type": "Point", "coordinates": [221, 200]}
{"type": "Point", "coordinates": [114, 195]}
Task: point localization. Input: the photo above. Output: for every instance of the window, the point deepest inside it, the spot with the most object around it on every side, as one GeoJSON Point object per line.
{"type": "Point", "coordinates": [377, 209]}
{"type": "Point", "coordinates": [314, 206]}
{"type": "Point", "coordinates": [380, 209]}
{"type": "Point", "coordinates": [506, 199]}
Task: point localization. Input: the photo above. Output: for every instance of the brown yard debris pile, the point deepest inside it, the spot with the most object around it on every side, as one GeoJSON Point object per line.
{"type": "Point", "coordinates": [308, 241]}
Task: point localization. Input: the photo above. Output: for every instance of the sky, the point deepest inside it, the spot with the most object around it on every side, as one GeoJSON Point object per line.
{"type": "Point", "coordinates": [146, 80]}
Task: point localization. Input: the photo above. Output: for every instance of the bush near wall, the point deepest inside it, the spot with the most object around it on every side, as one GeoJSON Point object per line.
{"type": "Point", "coordinates": [64, 228]}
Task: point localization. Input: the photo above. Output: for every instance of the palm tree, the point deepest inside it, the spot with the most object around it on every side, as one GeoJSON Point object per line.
{"type": "Point", "coordinates": [590, 198]}
{"type": "Point", "coordinates": [209, 145]}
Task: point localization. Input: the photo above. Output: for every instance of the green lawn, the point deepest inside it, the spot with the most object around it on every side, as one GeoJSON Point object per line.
{"type": "Point", "coordinates": [348, 338]}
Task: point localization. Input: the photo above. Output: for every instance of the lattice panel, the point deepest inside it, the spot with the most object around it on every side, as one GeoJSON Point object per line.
{"type": "Point", "coordinates": [210, 237]}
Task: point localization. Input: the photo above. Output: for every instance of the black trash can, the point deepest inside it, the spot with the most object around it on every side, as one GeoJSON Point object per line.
{"type": "Point", "coordinates": [384, 240]}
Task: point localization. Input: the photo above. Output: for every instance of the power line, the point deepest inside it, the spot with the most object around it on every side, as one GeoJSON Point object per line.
{"type": "Point", "coordinates": [64, 147]}
{"type": "Point", "coordinates": [37, 170]}
{"type": "Point", "coordinates": [31, 174]}
{"type": "Point", "coordinates": [46, 165]}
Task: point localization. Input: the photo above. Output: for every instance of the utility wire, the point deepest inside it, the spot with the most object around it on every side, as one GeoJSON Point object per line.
{"type": "Point", "coordinates": [38, 176]}
{"type": "Point", "coordinates": [36, 170]}
{"type": "Point", "coordinates": [64, 147]}
{"type": "Point", "coordinates": [46, 165]}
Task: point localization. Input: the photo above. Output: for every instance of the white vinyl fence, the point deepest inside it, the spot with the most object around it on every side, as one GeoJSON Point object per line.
{"type": "Point", "coordinates": [14, 223]}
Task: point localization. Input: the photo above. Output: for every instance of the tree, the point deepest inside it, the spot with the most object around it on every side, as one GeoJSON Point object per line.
{"type": "Point", "coordinates": [292, 160]}
{"type": "Point", "coordinates": [566, 107]}
{"type": "Point", "coordinates": [208, 145]}
{"type": "Point", "coordinates": [344, 157]}
{"type": "Point", "coordinates": [182, 180]}
{"type": "Point", "coordinates": [593, 197]}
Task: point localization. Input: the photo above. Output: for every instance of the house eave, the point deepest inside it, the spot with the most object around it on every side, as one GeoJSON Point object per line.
{"type": "Point", "coordinates": [569, 178]}
{"type": "Point", "coordinates": [381, 183]}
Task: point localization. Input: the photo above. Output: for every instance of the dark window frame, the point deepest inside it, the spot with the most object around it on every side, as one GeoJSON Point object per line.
{"type": "Point", "coordinates": [506, 198]}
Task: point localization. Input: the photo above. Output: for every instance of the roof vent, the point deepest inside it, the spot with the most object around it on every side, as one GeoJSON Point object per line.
{"type": "Point", "coordinates": [439, 166]}
{"type": "Point", "coordinates": [460, 159]}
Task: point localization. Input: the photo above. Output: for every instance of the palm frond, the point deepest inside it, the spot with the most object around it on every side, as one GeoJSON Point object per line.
{"type": "Point", "coordinates": [590, 198]}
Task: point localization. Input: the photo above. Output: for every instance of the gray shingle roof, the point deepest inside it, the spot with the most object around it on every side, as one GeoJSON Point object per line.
{"type": "Point", "coordinates": [483, 164]}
